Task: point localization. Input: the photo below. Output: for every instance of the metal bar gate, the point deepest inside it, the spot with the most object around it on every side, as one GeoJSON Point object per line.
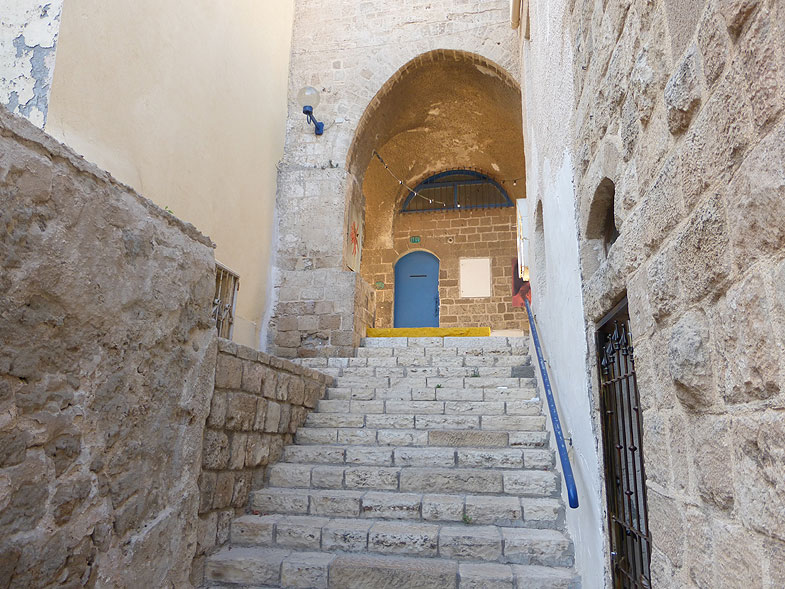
{"type": "Point", "coordinates": [625, 476]}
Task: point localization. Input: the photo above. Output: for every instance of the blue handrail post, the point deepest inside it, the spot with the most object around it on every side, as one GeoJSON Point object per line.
{"type": "Point", "coordinates": [569, 478]}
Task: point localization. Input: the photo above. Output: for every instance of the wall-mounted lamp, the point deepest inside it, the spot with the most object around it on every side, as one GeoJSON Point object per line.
{"type": "Point", "coordinates": [309, 98]}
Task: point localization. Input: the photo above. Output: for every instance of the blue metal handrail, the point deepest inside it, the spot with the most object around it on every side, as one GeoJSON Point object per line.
{"type": "Point", "coordinates": [569, 478]}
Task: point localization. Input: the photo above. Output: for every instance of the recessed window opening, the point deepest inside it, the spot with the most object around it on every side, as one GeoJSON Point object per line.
{"type": "Point", "coordinates": [601, 231]}
{"type": "Point", "coordinates": [227, 283]}
{"type": "Point", "coordinates": [456, 189]}
{"type": "Point", "coordinates": [610, 232]}
{"type": "Point", "coordinates": [602, 221]}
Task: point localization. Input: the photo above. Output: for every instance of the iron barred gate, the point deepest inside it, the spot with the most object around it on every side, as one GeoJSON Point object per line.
{"type": "Point", "coordinates": [624, 472]}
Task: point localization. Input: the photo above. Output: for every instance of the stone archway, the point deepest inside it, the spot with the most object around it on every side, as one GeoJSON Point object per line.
{"type": "Point", "coordinates": [444, 110]}
{"type": "Point", "coordinates": [318, 305]}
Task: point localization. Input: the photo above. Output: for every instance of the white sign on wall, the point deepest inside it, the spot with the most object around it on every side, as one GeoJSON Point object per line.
{"type": "Point", "coordinates": [475, 280]}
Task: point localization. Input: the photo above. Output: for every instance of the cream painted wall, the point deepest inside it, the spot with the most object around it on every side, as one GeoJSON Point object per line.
{"type": "Point", "coordinates": [185, 100]}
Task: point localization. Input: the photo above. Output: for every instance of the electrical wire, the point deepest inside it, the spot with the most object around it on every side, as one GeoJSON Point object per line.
{"type": "Point", "coordinates": [402, 183]}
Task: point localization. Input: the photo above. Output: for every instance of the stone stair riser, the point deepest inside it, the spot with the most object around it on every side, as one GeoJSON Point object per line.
{"type": "Point", "coordinates": [431, 394]}
{"type": "Point", "coordinates": [475, 509]}
{"type": "Point", "coordinates": [448, 480]}
{"type": "Point", "coordinates": [414, 456]}
{"type": "Point", "coordinates": [392, 437]}
{"type": "Point", "coordinates": [427, 421]}
{"type": "Point", "coordinates": [273, 567]}
{"type": "Point", "coordinates": [343, 406]}
{"type": "Point", "coordinates": [460, 542]}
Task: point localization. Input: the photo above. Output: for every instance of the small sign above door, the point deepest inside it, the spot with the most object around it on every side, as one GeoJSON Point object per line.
{"type": "Point", "coordinates": [414, 239]}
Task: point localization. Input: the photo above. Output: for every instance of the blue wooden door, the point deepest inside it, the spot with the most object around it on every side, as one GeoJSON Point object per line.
{"type": "Point", "coordinates": [417, 290]}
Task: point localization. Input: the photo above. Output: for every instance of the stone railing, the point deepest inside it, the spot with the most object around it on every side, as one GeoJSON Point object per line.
{"type": "Point", "coordinates": [258, 403]}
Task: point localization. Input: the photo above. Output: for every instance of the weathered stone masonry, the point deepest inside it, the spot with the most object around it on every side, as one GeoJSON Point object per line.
{"type": "Point", "coordinates": [129, 438]}
{"type": "Point", "coordinates": [680, 105]}
{"type": "Point", "coordinates": [258, 403]}
{"type": "Point", "coordinates": [107, 354]}
{"type": "Point", "coordinates": [359, 48]}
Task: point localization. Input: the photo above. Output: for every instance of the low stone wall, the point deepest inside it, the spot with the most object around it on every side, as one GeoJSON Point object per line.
{"type": "Point", "coordinates": [258, 403]}
{"type": "Point", "coordinates": [107, 356]}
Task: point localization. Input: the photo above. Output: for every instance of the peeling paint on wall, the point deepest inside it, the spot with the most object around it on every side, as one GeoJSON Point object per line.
{"type": "Point", "coordinates": [28, 41]}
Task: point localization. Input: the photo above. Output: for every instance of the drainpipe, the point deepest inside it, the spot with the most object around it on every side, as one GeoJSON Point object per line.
{"type": "Point", "coordinates": [515, 13]}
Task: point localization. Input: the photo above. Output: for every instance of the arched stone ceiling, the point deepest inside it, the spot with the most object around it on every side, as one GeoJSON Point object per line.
{"type": "Point", "coordinates": [444, 110]}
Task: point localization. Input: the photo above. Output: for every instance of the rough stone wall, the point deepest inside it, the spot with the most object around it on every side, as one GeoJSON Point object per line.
{"type": "Point", "coordinates": [348, 50]}
{"type": "Point", "coordinates": [680, 105]}
{"type": "Point", "coordinates": [364, 307]}
{"type": "Point", "coordinates": [258, 403]}
{"type": "Point", "coordinates": [107, 355]}
{"type": "Point", "coordinates": [28, 39]}
{"type": "Point", "coordinates": [481, 233]}
{"type": "Point", "coordinates": [317, 315]}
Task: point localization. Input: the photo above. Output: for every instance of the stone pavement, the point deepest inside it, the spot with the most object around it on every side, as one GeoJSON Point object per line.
{"type": "Point", "coordinates": [427, 465]}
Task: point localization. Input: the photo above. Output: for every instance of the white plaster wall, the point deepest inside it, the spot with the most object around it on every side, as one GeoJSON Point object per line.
{"type": "Point", "coordinates": [28, 40]}
{"type": "Point", "coordinates": [548, 95]}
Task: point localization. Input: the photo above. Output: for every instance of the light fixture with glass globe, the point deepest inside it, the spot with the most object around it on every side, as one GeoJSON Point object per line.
{"type": "Point", "coordinates": [309, 98]}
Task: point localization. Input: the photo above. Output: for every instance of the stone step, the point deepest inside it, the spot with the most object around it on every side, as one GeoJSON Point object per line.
{"type": "Point", "coordinates": [426, 421]}
{"type": "Point", "coordinates": [362, 571]}
{"type": "Point", "coordinates": [430, 357]}
{"type": "Point", "coordinates": [456, 382]}
{"type": "Point", "coordinates": [529, 483]}
{"type": "Point", "coordinates": [414, 437]}
{"type": "Point", "coordinates": [427, 371]}
{"type": "Point", "coordinates": [465, 407]}
{"type": "Point", "coordinates": [403, 393]}
{"type": "Point", "coordinates": [488, 543]}
{"type": "Point", "coordinates": [258, 567]}
{"type": "Point", "coordinates": [441, 456]}
{"type": "Point", "coordinates": [533, 512]}
{"type": "Point", "coordinates": [447, 352]}
{"type": "Point", "coordinates": [446, 342]}
{"type": "Point", "coordinates": [385, 358]}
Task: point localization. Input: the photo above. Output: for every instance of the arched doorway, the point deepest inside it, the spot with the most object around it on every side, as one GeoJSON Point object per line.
{"type": "Point", "coordinates": [417, 290]}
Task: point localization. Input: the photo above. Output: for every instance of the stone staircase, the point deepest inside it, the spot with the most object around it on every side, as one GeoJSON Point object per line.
{"type": "Point", "coordinates": [427, 466]}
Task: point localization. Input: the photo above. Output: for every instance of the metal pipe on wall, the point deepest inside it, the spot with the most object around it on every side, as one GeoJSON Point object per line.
{"type": "Point", "coordinates": [515, 13]}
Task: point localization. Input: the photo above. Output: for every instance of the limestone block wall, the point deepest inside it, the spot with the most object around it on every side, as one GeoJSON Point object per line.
{"type": "Point", "coordinates": [258, 403]}
{"type": "Point", "coordinates": [681, 105]}
{"type": "Point", "coordinates": [107, 355]}
{"type": "Point", "coordinates": [317, 313]}
{"type": "Point", "coordinates": [451, 235]}
{"type": "Point", "coordinates": [348, 50]}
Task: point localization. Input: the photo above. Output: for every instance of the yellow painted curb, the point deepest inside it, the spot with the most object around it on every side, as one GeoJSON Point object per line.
{"type": "Point", "coordinates": [429, 332]}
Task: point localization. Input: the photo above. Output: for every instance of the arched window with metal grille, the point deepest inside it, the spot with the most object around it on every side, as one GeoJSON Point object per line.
{"type": "Point", "coordinates": [456, 189]}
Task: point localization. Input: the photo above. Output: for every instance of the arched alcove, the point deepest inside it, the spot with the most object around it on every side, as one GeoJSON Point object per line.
{"type": "Point", "coordinates": [601, 230]}
{"type": "Point", "coordinates": [443, 111]}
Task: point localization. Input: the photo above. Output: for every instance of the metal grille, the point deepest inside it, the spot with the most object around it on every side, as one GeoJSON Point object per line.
{"type": "Point", "coordinates": [625, 476]}
{"type": "Point", "coordinates": [457, 189]}
{"type": "Point", "coordinates": [227, 283]}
